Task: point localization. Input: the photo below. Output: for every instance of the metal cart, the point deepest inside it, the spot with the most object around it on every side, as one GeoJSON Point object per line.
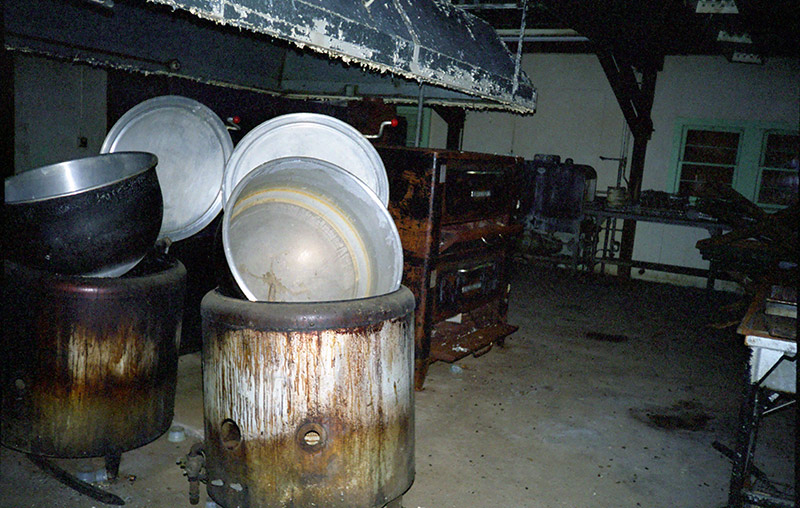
{"type": "Point", "coordinates": [771, 387]}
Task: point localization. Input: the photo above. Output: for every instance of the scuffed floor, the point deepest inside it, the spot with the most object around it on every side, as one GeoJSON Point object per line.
{"type": "Point", "coordinates": [610, 395]}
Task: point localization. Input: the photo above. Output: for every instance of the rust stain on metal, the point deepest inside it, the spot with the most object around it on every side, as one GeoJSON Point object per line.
{"type": "Point", "coordinates": [326, 416]}
{"type": "Point", "coordinates": [94, 372]}
{"type": "Point", "coordinates": [409, 205]}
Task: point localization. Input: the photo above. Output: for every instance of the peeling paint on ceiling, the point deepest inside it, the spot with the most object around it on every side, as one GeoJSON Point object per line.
{"type": "Point", "coordinates": [423, 40]}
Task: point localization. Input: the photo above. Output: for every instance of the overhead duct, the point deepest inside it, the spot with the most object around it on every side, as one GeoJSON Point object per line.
{"type": "Point", "coordinates": [403, 42]}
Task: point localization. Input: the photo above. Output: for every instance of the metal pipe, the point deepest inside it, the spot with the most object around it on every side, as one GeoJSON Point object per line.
{"type": "Point", "coordinates": [419, 117]}
{"type": "Point", "coordinates": [87, 489]}
{"type": "Point", "coordinates": [518, 59]}
{"type": "Point", "coordinates": [546, 38]}
{"type": "Point", "coordinates": [537, 32]}
{"type": "Point", "coordinates": [623, 153]}
{"type": "Point", "coordinates": [779, 407]}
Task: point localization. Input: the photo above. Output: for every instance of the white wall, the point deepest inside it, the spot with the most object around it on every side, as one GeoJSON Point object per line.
{"type": "Point", "coordinates": [578, 116]}
{"type": "Point", "coordinates": [707, 87]}
{"type": "Point", "coordinates": [438, 132]}
{"type": "Point", "coordinates": [55, 103]}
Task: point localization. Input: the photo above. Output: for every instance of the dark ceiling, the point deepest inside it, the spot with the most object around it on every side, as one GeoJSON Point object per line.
{"type": "Point", "coordinates": [648, 30]}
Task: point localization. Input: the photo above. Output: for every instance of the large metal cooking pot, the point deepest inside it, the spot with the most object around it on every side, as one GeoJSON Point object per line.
{"type": "Point", "coordinates": [308, 404]}
{"type": "Point", "coordinates": [89, 364]}
{"type": "Point", "coordinates": [96, 216]}
{"type": "Point", "coordinates": [299, 229]}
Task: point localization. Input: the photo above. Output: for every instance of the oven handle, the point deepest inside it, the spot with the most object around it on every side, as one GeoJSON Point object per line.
{"type": "Point", "coordinates": [480, 194]}
{"type": "Point", "coordinates": [500, 237]}
{"type": "Point", "coordinates": [475, 268]}
{"type": "Point", "coordinates": [484, 172]}
{"type": "Point", "coordinates": [483, 350]}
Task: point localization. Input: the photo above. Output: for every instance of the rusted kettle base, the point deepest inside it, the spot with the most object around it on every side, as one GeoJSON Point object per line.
{"type": "Point", "coordinates": [91, 365]}
{"type": "Point", "coordinates": [308, 404]}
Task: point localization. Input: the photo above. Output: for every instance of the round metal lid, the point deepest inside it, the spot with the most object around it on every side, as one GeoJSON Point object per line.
{"type": "Point", "coordinates": [303, 229]}
{"type": "Point", "coordinates": [192, 145]}
{"type": "Point", "coordinates": [307, 135]}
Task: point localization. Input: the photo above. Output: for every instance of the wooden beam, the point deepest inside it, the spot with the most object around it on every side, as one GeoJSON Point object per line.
{"type": "Point", "coordinates": [454, 117]}
{"type": "Point", "coordinates": [7, 112]}
{"type": "Point", "coordinates": [646, 95]}
{"type": "Point", "coordinates": [634, 101]}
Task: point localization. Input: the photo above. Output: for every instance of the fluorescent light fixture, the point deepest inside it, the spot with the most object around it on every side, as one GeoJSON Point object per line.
{"type": "Point", "coordinates": [724, 36]}
{"type": "Point", "coordinates": [716, 7]}
{"type": "Point", "coordinates": [482, 6]}
{"type": "Point", "coordinates": [750, 58]}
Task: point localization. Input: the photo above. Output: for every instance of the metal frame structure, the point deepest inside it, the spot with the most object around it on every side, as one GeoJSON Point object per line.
{"type": "Point", "coordinates": [767, 391]}
{"type": "Point", "coordinates": [606, 219]}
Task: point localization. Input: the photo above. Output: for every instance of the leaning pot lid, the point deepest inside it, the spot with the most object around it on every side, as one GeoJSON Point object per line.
{"type": "Point", "coordinates": [192, 145]}
{"type": "Point", "coordinates": [307, 135]}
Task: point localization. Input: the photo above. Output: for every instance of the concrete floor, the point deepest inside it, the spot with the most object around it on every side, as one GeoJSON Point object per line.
{"type": "Point", "coordinates": [555, 418]}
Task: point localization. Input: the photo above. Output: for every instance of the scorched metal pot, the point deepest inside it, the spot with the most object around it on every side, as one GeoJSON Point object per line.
{"type": "Point", "coordinates": [308, 404]}
{"type": "Point", "coordinates": [91, 363]}
{"type": "Point", "coordinates": [96, 216]}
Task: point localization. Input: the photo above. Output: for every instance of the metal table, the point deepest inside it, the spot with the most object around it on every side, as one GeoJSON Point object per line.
{"type": "Point", "coordinates": [606, 219]}
{"type": "Point", "coordinates": [771, 387]}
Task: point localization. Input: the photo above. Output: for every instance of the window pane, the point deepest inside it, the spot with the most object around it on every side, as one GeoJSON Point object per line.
{"type": "Point", "coordinates": [713, 138]}
{"type": "Point", "coordinates": [710, 155]}
{"type": "Point", "coordinates": [778, 187]}
{"type": "Point", "coordinates": [695, 172]}
{"type": "Point", "coordinates": [781, 149]}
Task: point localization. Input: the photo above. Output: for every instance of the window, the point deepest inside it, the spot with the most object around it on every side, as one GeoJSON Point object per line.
{"type": "Point", "coordinates": [708, 155]}
{"type": "Point", "coordinates": [778, 179]}
{"type": "Point", "coordinates": [757, 160]}
{"type": "Point", "coordinates": [410, 114]}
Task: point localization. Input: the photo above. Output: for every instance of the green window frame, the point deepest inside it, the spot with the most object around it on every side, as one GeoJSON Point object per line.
{"type": "Point", "coordinates": [410, 114]}
{"type": "Point", "coordinates": [708, 153]}
{"type": "Point", "coordinates": [750, 171]}
{"type": "Point", "coordinates": [777, 170]}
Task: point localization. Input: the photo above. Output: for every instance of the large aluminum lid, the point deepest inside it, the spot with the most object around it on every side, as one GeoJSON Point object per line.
{"type": "Point", "coordinates": [298, 229]}
{"type": "Point", "coordinates": [192, 145]}
{"type": "Point", "coordinates": [307, 135]}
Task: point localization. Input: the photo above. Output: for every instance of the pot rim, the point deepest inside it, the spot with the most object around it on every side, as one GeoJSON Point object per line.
{"type": "Point", "coordinates": [217, 307]}
{"type": "Point", "coordinates": [45, 183]}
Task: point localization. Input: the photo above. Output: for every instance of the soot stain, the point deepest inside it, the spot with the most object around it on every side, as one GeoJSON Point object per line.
{"type": "Point", "coordinates": [606, 337]}
{"type": "Point", "coordinates": [683, 415]}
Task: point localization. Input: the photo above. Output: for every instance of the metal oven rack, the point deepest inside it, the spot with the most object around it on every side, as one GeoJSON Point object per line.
{"type": "Point", "coordinates": [453, 213]}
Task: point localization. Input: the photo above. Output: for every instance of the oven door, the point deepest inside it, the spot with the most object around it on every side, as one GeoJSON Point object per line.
{"type": "Point", "coordinates": [475, 191]}
{"type": "Point", "coordinates": [466, 284]}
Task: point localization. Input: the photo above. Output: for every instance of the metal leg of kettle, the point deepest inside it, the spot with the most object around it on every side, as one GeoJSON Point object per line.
{"type": "Point", "coordinates": [395, 503]}
{"type": "Point", "coordinates": [87, 489]}
{"type": "Point", "coordinates": [194, 464]}
{"type": "Point", "coordinates": [112, 465]}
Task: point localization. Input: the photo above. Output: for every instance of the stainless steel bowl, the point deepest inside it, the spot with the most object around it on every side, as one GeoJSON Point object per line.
{"type": "Point", "coordinates": [300, 229]}
{"type": "Point", "coordinates": [96, 216]}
